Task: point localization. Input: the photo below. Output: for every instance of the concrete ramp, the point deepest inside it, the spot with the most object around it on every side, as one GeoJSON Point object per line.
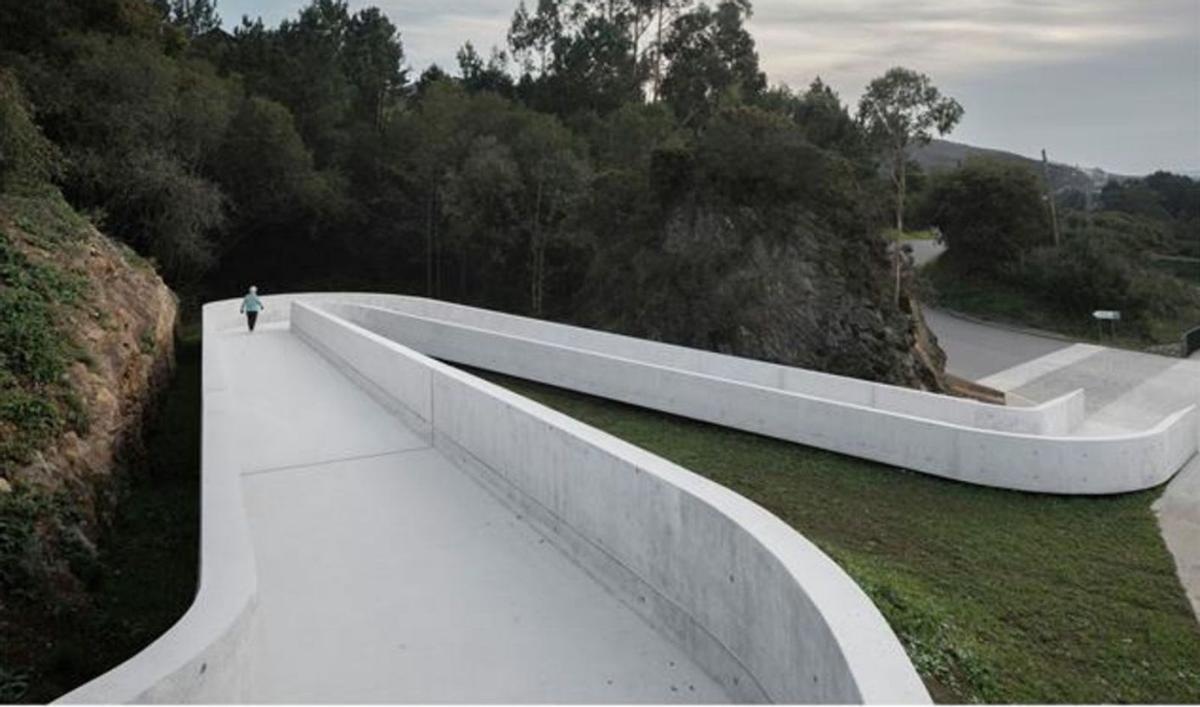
{"type": "Point", "coordinates": [386, 574]}
{"type": "Point", "coordinates": [380, 527]}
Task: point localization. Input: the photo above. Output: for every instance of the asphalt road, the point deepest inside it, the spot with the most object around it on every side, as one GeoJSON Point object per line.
{"type": "Point", "coordinates": [976, 351]}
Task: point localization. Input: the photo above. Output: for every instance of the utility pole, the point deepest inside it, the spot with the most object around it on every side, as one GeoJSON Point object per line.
{"type": "Point", "coordinates": [1050, 197]}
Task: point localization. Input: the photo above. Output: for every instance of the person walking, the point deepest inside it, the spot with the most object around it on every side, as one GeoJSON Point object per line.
{"type": "Point", "coordinates": [251, 306]}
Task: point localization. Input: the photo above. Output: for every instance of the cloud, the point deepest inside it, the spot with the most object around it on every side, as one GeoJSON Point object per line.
{"type": "Point", "coordinates": [849, 41]}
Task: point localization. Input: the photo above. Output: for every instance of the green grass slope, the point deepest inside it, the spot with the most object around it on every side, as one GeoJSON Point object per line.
{"type": "Point", "coordinates": [997, 596]}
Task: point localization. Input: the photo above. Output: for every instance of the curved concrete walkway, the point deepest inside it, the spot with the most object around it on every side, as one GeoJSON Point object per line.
{"type": "Point", "coordinates": [387, 574]}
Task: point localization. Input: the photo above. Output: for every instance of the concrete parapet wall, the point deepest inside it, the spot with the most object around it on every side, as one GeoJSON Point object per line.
{"type": "Point", "coordinates": [762, 609]}
{"type": "Point", "coordinates": [204, 657]}
{"type": "Point", "coordinates": [908, 429]}
{"type": "Point", "coordinates": [1055, 417]}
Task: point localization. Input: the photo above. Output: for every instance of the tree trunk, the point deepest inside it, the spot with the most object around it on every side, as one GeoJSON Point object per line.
{"type": "Point", "coordinates": [429, 246]}
{"type": "Point", "coordinates": [658, 54]}
{"type": "Point", "coordinates": [462, 275]}
{"type": "Point", "coordinates": [901, 184]}
{"type": "Point", "coordinates": [535, 247]}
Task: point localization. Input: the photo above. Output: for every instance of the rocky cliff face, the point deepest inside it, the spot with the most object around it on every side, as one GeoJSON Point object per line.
{"type": "Point", "coordinates": [86, 340]}
{"type": "Point", "coordinates": [774, 283]}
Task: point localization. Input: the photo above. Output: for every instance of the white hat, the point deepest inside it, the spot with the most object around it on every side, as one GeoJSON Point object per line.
{"type": "Point", "coordinates": [253, 288]}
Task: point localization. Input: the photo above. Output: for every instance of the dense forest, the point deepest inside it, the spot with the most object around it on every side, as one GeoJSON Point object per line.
{"type": "Point", "coordinates": [619, 163]}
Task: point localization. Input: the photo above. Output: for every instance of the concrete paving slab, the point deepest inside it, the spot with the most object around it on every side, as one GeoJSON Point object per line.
{"type": "Point", "coordinates": [1124, 391]}
{"type": "Point", "coordinates": [296, 409]}
{"type": "Point", "coordinates": [386, 574]}
{"type": "Point", "coordinates": [1110, 375]}
{"type": "Point", "coordinates": [1179, 519]}
{"type": "Point", "coordinates": [398, 578]}
{"type": "Point", "coordinates": [1022, 374]}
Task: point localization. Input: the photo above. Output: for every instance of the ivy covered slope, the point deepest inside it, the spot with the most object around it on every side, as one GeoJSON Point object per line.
{"type": "Point", "coordinates": [86, 337]}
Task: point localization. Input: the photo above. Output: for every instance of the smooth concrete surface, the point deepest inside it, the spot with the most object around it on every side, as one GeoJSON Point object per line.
{"type": "Point", "coordinates": [760, 608]}
{"type": "Point", "coordinates": [1052, 463]}
{"type": "Point", "coordinates": [386, 574]}
{"type": "Point", "coordinates": [1178, 512]}
{"type": "Point", "coordinates": [1124, 391]}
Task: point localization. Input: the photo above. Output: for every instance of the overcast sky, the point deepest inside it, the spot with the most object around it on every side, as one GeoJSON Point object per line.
{"type": "Point", "coordinates": [1107, 83]}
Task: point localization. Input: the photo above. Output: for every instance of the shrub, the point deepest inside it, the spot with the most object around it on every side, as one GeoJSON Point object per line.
{"type": "Point", "coordinates": [28, 161]}
{"type": "Point", "coordinates": [1093, 271]}
{"type": "Point", "coordinates": [990, 212]}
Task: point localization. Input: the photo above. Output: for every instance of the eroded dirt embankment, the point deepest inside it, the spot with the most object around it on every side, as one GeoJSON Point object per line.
{"type": "Point", "coordinates": [87, 341]}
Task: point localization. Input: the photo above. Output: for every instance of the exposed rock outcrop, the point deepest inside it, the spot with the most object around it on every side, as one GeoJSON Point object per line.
{"type": "Point", "coordinates": [112, 321]}
{"type": "Point", "coordinates": [775, 283]}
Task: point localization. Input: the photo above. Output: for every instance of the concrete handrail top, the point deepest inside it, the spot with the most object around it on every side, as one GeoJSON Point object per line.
{"type": "Point", "coordinates": [1078, 393]}
{"type": "Point", "coordinates": [1035, 409]}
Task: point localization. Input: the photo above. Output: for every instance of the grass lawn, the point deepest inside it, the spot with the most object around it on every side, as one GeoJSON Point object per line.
{"type": "Point", "coordinates": [998, 596]}
{"type": "Point", "coordinates": [926, 235]}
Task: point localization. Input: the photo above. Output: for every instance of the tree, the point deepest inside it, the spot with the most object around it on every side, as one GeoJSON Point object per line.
{"type": "Point", "coordinates": [990, 213]}
{"type": "Point", "coordinates": [664, 13]}
{"type": "Point", "coordinates": [900, 109]}
{"type": "Point", "coordinates": [1133, 197]}
{"type": "Point", "coordinates": [826, 121]}
{"type": "Point", "coordinates": [265, 167]}
{"type": "Point", "coordinates": [302, 65]}
{"type": "Point", "coordinates": [374, 57]}
{"type": "Point", "coordinates": [481, 203]}
{"type": "Point", "coordinates": [478, 75]}
{"type": "Point", "coordinates": [532, 36]}
{"type": "Point", "coordinates": [580, 56]}
{"type": "Point", "coordinates": [195, 17]}
{"type": "Point", "coordinates": [138, 129]}
{"type": "Point", "coordinates": [555, 179]}
{"type": "Point", "coordinates": [28, 161]}
{"type": "Point", "coordinates": [430, 77]}
{"type": "Point", "coordinates": [712, 59]}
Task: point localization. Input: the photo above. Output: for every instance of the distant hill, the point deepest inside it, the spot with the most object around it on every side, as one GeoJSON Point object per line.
{"type": "Point", "coordinates": [944, 154]}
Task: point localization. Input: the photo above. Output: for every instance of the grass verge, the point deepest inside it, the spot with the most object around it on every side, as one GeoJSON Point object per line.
{"type": "Point", "coordinates": [997, 596]}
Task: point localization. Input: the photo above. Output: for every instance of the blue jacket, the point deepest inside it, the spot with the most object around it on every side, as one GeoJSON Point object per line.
{"type": "Point", "coordinates": [252, 303]}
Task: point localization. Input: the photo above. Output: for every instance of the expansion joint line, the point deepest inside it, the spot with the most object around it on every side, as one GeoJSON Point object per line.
{"type": "Point", "coordinates": [326, 462]}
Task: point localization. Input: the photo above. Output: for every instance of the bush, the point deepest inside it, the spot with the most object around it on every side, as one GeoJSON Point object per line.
{"type": "Point", "coordinates": [1089, 272]}
{"type": "Point", "coordinates": [990, 212]}
{"type": "Point", "coordinates": [28, 161]}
